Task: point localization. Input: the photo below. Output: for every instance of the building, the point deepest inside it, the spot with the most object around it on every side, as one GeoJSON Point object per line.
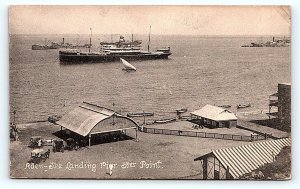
{"type": "Point", "coordinates": [282, 100]}
{"type": "Point", "coordinates": [90, 121]}
{"type": "Point", "coordinates": [214, 117]}
{"type": "Point", "coordinates": [284, 104]}
{"type": "Point", "coordinates": [234, 162]}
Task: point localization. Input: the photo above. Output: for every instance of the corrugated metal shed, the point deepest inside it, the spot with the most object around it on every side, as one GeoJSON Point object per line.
{"type": "Point", "coordinates": [247, 158]}
{"type": "Point", "coordinates": [83, 119]}
{"type": "Point", "coordinates": [214, 113]}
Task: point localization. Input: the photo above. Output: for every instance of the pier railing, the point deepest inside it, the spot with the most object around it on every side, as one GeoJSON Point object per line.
{"type": "Point", "coordinates": [206, 135]}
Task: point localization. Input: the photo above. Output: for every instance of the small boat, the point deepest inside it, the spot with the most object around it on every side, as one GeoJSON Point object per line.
{"type": "Point", "coordinates": [168, 120]}
{"type": "Point", "coordinates": [140, 114]}
{"type": "Point", "coordinates": [127, 65]}
{"type": "Point", "coordinates": [225, 106]}
{"type": "Point", "coordinates": [182, 110]}
{"type": "Point", "coordinates": [243, 106]}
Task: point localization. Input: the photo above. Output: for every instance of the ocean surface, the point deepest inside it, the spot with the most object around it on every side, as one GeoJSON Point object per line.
{"type": "Point", "coordinates": [202, 70]}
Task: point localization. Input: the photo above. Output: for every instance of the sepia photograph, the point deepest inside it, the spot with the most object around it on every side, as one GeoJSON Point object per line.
{"type": "Point", "coordinates": [161, 92]}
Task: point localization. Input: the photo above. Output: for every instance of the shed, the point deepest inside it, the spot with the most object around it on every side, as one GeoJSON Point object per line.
{"type": "Point", "coordinates": [234, 162]}
{"type": "Point", "coordinates": [213, 116]}
{"type": "Point", "coordinates": [89, 119]}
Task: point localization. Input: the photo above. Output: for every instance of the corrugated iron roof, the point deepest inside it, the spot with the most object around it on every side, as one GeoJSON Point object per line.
{"type": "Point", "coordinates": [214, 113]}
{"type": "Point", "coordinates": [247, 158]}
{"type": "Point", "coordinates": [83, 119]}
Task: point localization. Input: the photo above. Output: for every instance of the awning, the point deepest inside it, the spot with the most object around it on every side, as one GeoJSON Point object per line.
{"type": "Point", "coordinates": [247, 158]}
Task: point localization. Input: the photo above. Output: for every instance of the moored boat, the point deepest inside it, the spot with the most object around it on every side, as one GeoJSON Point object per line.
{"type": "Point", "coordinates": [182, 110]}
{"type": "Point", "coordinates": [243, 106]}
{"type": "Point", "coordinates": [140, 114]}
{"type": "Point", "coordinates": [225, 106]}
{"type": "Point", "coordinates": [167, 120]}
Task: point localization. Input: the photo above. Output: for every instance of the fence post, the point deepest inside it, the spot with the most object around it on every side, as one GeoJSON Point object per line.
{"type": "Point", "coordinates": [251, 138]}
{"type": "Point", "coordinates": [266, 136]}
{"type": "Point", "coordinates": [204, 134]}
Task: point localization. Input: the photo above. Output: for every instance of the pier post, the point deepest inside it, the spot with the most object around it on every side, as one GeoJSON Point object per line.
{"type": "Point", "coordinates": [144, 117]}
{"type": "Point", "coordinates": [113, 114]}
{"type": "Point", "coordinates": [89, 140]}
{"type": "Point", "coordinates": [136, 135]}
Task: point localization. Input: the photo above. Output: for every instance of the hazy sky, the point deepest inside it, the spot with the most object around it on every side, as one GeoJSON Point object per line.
{"type": "Point", "coordinates": [190, 20]}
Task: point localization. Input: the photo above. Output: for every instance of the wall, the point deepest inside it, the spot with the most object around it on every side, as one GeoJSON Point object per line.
{"type": "Point", "coordinates": [284, 105]}
{"type": "Point", "coordinates": [215, 169]}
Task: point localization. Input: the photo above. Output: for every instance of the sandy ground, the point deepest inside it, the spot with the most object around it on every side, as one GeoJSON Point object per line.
{"type": "Point", "coordinates": [152, 157]}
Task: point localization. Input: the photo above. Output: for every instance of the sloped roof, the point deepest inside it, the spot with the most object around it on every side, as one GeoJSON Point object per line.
{"type": "Point", "coordinates": [247, 158]}
{"type": "Point", "coordinates": [83, 119]}
{"type": "Point", "coordinates": [285, 84]}
{"type": "Point", "coordinates": [214, 113]}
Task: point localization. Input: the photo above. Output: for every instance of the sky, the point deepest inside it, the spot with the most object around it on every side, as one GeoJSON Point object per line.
{"type": "Point", "coordinates": [171, 20]}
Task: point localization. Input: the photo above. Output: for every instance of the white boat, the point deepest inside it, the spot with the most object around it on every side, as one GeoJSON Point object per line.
{"type": "Point", "coordinates": [127, 65]}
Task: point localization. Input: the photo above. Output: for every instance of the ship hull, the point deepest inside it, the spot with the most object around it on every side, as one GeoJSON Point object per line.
{"type": "Point", "coordinates": [69, 58]}
{"type": "Point", "coordinates": [41, 47]}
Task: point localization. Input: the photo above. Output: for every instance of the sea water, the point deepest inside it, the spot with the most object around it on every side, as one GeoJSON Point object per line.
{"type": "Point", "coordinates": [201, 70]}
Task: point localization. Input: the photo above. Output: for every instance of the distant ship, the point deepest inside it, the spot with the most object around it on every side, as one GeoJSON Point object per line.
{"type": "Point", "coordinates": [55, 45]}
{"type": "Point", "coordinates": [274, 43]}
{"type": "Point", "coordinates": [113, 51]}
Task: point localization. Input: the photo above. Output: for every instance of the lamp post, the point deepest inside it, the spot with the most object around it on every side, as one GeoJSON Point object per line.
{"type": "Point", "coordinates": [114, 113]}
{"type": "Point", "coordinates": [14, 117]}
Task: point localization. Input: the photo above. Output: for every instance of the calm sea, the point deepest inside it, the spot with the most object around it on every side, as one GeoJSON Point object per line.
{"type": "Point", "coordinates": [202, 70]}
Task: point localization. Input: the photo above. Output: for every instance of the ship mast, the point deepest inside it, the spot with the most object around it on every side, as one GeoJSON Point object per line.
{"type": "Point", "coordinates": [131, 35]}
{"type": "Point", "coordinates": [149, 39]}
{"type": "Point", "coordinates": [90, 41]}
{"type": "Point", "coordinates": [131, 38]}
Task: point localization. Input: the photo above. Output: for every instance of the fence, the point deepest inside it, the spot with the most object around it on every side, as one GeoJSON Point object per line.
{"type": "Point", "coordinates": [205, 134]}
{"type": "Point", "coordinates": [254, 112]}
